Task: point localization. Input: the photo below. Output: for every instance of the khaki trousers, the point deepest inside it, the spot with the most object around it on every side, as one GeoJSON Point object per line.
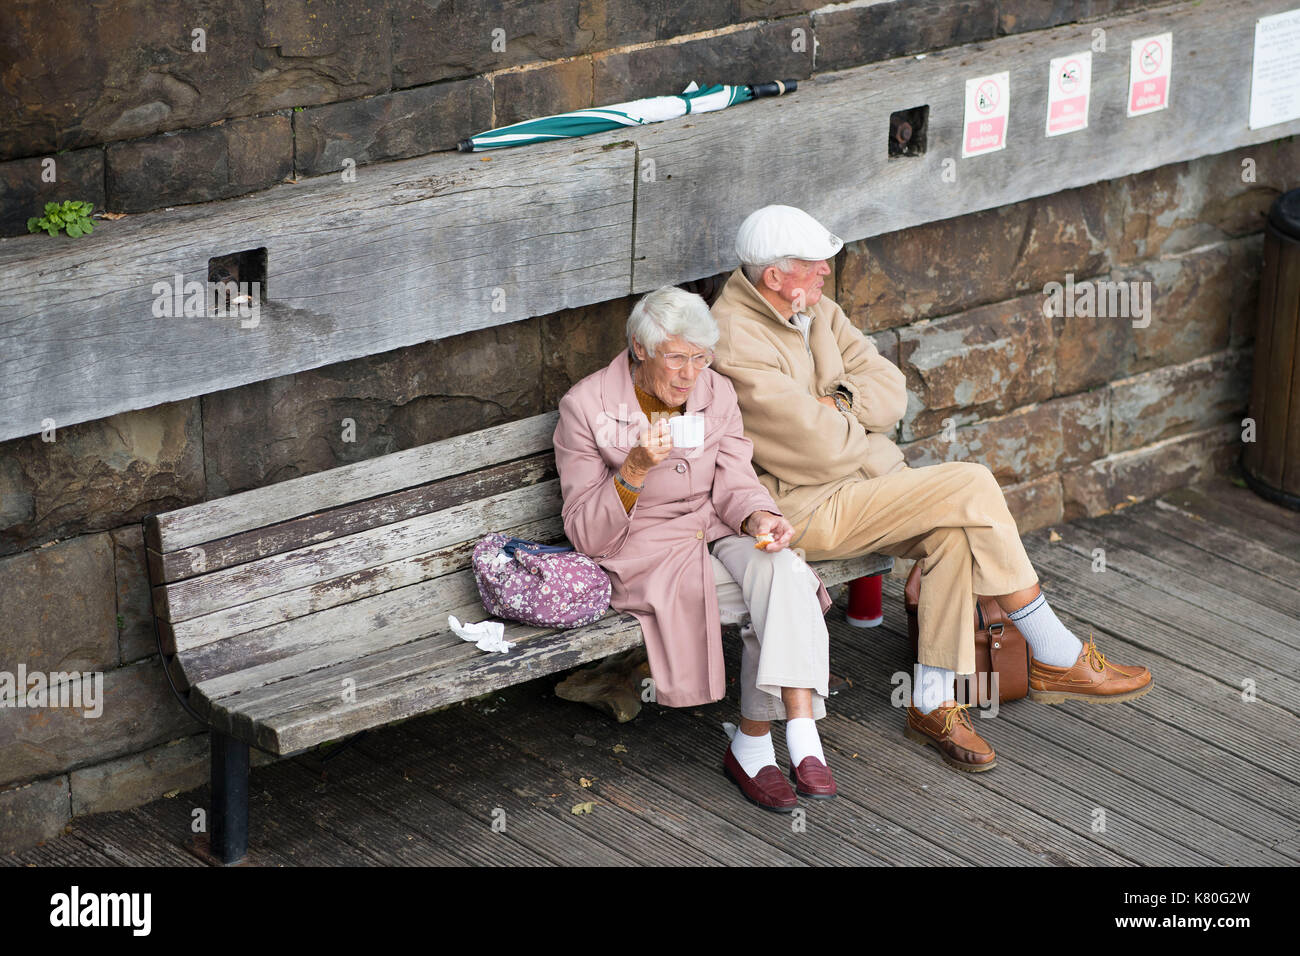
{"type": "Point", "coordinates": [786, 644]}
{"type": "Point", "coordinates": [953, 519]}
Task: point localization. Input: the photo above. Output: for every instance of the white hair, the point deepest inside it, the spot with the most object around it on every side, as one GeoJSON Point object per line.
{"type": "Point", "coordinates": [670, 311]}
{"type": "Point", "coordinates": [754, 271]}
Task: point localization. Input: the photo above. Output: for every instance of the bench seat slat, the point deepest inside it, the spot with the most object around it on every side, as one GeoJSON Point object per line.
{"type": "Point", "coordinates": [402, 694]}
{"type": "Point", "coordinates": [341, 556]}
{"type": "Point", "coordinates": [245, 709]}
{"type": "Point", "coordinates": [439, 665]}
{"type": "Point", "coordinates": [259, 507]}
{"type": "Point", "coordinates": [840, 570]}
{"type": "Point", "coordinates": [442, 651]}
{"type": "Point", "coordinates": [546, 654]}
{"type": "Point", "coordinates": [353, 632]}
{"type": "Point", "coordinates": [245, 662]}
{"type": "Point", "coordinates": [212, 556]}
{"type": "Point", "coordinates": [381, 628]}
{"type": "Point", "coordinates": [187, 636]}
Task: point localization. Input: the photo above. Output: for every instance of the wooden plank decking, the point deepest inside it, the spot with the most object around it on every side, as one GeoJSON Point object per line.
{"type": "Point", "coordinates": [1202, 585]}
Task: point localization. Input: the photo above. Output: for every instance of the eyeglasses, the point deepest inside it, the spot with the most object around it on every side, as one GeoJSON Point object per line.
{"type": "Point", "coordinates": [677, 360]}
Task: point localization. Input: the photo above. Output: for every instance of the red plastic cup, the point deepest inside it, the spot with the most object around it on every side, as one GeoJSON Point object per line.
{"type": "Point", "coordinates": [866, 607]}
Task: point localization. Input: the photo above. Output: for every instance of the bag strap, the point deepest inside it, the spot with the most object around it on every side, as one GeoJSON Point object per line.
{"type": "Point", "coordinates": [513, 544]}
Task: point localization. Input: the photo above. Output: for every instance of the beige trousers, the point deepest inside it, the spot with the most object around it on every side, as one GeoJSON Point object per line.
{"type": "Point", "coordinates": [954, 520]}
{"type": "Point", "coordinates": [786, 644]}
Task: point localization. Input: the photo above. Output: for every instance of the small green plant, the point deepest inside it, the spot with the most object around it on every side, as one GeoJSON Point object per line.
{"type": "Point", "coordinates": [72, 215]}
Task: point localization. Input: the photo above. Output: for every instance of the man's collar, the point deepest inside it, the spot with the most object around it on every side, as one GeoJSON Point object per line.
{"type": "Point", "coordinates": [756, 299]}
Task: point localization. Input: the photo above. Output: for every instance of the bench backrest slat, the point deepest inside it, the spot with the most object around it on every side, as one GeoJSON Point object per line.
{"type": "Point", "coordinates": [344, 556]}
{"type": "Point", "coordinates": [188, 636]}
{"type": "Point", "coordinates": [280, 581]}
{"type": "Point", "coordinates": [272, 504]}
{"type": "Point", "coordinates": [346, 519]}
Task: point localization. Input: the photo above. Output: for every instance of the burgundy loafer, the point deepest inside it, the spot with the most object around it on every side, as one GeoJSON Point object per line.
{"type": "Point", "coordinates": [769, 789]}
{"type": "Point", "coordinates": [812, 778]}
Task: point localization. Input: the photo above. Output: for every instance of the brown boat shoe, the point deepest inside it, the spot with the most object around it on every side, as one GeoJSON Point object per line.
{"type": "Point", "coordinates": [1091, 678]}
{"type": "Point", "coordinates": [948, 729]}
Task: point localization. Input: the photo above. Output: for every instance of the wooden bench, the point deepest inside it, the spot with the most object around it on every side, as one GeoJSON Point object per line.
{"type": "Point", "coordinates": [316, 608]}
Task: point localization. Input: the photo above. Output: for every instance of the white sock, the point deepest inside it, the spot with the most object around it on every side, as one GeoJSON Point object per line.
{"type": "Point", "coordinates": [933, 686]}
{"type": "Point", "coordinates": [753, 753]}
{"type": "Point", "coordinates": [1049, 639]}
{"type": "Point", "coordinates": [802, 740]}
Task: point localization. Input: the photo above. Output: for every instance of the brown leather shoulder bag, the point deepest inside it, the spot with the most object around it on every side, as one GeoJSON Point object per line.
{"type": "Point", "coordinates": [999, 646]}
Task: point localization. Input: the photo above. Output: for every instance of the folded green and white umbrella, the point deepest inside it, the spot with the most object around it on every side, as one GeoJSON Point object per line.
{"type": "Point", "coordinates": [654, 109]}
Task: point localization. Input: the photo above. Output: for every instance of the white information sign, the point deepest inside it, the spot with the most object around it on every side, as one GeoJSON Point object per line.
{"type": "Point", "coordinates": [1275, 75]}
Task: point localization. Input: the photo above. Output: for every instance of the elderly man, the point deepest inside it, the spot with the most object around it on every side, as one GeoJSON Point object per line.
{"type": "Point", "coordinates": [819, 404]}
{"type": "Point", "coordinates": [684, 532]}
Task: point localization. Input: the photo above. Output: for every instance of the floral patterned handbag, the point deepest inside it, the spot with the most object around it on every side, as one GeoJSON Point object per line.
{"type": "Point", "coordinates": [544, 585]}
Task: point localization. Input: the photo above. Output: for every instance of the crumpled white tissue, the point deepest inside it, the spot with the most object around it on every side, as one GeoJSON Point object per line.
{"type": "Point", "coordinates": [485, 635]}
{"type": "Point", "coordinates": [729, 729]}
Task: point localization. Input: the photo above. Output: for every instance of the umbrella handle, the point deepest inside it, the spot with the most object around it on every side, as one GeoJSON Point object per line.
{"type": "Point", "coordinates": [775, 88]}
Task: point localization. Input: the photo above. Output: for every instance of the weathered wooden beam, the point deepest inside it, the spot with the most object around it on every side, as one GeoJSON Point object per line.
{"type": "Point", "coordinates": [824, 148]}
{"type": "Point", "coordinates": [411, 251]}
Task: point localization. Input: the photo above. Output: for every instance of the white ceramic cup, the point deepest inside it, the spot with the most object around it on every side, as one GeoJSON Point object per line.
{"type": "Point", "coordinates": [687, 430]}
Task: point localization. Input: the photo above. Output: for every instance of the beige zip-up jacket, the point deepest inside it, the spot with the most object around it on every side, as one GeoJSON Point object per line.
{"type": "Point", "coordinates": [804, 451]}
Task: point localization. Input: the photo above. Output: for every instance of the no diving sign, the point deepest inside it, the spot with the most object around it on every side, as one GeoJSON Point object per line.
{"type": "Point", "coordinates": [1148, 74]}
{"type": "Point", "coordinates": [988, 99]}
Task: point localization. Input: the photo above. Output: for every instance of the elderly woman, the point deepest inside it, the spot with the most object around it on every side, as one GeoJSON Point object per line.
{"type": "Point", "coordinates": [675, 529]}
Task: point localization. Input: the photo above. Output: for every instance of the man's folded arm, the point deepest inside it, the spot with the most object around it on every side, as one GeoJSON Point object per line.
{"type": "Point", "coordinates": [877, 387]}
{"type": "Point", "coordinates": [799, 439]}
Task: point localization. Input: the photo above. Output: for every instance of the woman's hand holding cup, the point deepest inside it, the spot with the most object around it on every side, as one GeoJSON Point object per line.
{"type": "Point", "coordinates": [652, 447]}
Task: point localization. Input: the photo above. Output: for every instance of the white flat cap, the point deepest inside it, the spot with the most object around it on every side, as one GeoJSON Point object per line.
{"type": "Point", "coordinates": [777, 232]}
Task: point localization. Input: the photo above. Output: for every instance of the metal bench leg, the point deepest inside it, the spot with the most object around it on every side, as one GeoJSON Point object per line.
{"type": "Point", "coordinates": [229, 798]}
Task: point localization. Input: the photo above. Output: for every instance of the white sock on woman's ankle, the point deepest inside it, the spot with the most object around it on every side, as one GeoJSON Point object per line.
{"type": "Point", "coordinates": [934, 685]}
{"type": "Point", "coordinates": [753, 753]}
{"type": "Point", "coordinates": [802, 740]}
{"type": "Point", "coordinates": [1049, 639]}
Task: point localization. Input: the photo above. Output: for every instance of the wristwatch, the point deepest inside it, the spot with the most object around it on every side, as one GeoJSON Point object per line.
{"type": "Point", "coordinates": [842, 401]}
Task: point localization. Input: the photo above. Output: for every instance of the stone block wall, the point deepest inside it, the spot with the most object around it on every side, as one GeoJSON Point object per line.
{"type": "Point", "coordinates": [1075, 414]}
{"type": "Point", "coordinates": [1080, 414]}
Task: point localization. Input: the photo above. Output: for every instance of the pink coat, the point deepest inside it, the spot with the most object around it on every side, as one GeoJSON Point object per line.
{"type": "Point", "coordinates": [657, 556]}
